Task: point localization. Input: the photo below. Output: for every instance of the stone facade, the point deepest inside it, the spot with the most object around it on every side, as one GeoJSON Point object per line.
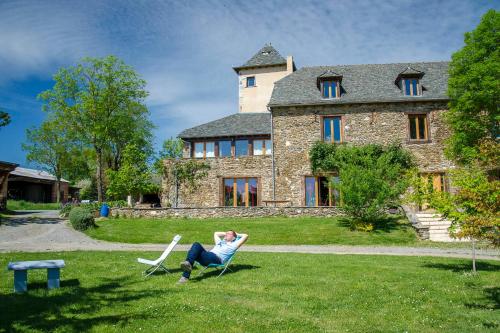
{"type": "Point", "coordinates": [209, 190]}
{"type": "Point", "coordinates": [230, 212]}
{"type": "Point", "coordinates": [296, 129]}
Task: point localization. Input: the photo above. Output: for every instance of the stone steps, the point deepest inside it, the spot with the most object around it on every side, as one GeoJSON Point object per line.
{"type": "Point", "coordinates": [431, 225]}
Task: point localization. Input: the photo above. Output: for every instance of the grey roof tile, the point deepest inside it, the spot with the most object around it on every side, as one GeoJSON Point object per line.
{"type": "Point", "coordinates": [239, 124]}
{"type": "Point", "coordinates": [267, 56]}
{"type": "Point", "coordinates": [361, 84]}
{"type": "Point", "coordinates": [35, 174]}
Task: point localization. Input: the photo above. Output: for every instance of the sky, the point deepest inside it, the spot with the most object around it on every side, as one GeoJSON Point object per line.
{"type": "Point", "coordinates": [185, 50]}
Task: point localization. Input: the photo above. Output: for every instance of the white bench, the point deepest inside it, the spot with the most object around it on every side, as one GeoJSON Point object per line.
{"type": "Point", "coordinates": [21, 268]}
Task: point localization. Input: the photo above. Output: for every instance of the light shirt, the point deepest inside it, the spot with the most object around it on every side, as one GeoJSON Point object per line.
{"type": "Point", "coordinates": [225, 250]}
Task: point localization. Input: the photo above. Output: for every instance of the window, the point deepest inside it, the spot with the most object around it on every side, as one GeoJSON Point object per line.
{"type": "Point", "coordinates": [198, 150]}
{"type": "Point", "coordinates": [204, 149]}
{"type": "Point", "coordinates": [418, 127]}
{"type": "Point", "coordinates": [318, 192]}
{"type": "Point", "coordinates": [258, 147]}
{"type": "Point", "coordinates": [332, 129]}
{"type": "Point", "coordinates": [225, 149]}
{"type": "Point", "coordinates": [411, 87]}
{"type": "Point", "coordinates": [241, 148]}
{"type": "Point", "coordinates": [209, 149]}
{"type": "Point", "coordinates": [268, 147]}
{"type": "Point", "coordinates": [330, 89]}
{"type": "Point", "coordinates": [436, 182]}
{"type": "Point", "coordinates": [240, 192]}
{"type": "Point", "coordinates": [251, 81]}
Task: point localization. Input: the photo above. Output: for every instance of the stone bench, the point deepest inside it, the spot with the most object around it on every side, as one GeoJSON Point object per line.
{"type": "Point", "coordinates": [21, 268]}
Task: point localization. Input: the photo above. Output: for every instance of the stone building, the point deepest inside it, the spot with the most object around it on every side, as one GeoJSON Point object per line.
{"type": "Point", "coordinates": [260, 155]}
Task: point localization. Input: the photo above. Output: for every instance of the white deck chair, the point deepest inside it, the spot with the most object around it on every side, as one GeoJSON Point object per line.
{"type": "Point", "coordinates": [158, 263]}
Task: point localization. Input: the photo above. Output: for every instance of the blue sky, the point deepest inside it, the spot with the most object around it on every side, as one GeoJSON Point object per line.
{"type": "Point", "coordinates": [185, 50]}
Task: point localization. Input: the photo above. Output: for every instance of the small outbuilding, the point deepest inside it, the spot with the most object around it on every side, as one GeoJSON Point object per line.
{"type": "Point", "coordinates": [35, 186]}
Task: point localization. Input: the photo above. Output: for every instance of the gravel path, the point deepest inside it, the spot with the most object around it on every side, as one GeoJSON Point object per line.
{"type": "Point", "coordinates": [41, 231]}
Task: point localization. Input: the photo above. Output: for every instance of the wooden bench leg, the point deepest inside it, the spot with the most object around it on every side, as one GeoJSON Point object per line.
{"type": "Point", "coordinates": [20, 281]}
{"type": "Point", "coordinates": [52, 278]}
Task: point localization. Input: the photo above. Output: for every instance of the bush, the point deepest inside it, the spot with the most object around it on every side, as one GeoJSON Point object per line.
{"type": "Point", "coordinates": [81, 218]}
{"type": "Point", "coordinates": [372, 178]}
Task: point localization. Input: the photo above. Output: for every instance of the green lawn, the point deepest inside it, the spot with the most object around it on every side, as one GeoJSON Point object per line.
{"type": "Point", "coordinates": [262, 231]}
{"type": "Point", "coordinates": [26, 205]}
{"type": "Point", "coordinates": [105, 292]}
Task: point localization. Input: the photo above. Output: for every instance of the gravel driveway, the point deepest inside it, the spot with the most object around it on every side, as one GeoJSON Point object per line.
{"type": "Point", "coordinates": [40, 231]}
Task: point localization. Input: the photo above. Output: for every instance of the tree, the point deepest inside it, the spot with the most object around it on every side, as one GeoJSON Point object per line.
{"type": "Point", "coordinates": [177, 172]}
{"type": "Point", "coordinates": [371, 177]}
{"type": "Point", "coordinates": [100, 101]}
{"type": "Point", "coordinates": [50, 147]}
{"type": "Point", "coordinates": [133, 177]}
{"type": "Point", "coordinates": [473, 89]}
{"type": "Point", "coordinates": [4, 118]}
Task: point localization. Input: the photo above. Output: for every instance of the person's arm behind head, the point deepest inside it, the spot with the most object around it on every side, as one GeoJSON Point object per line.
{"type": "Point", "coordinates": [218, 235]}
{"type": "Point", "coordinates": [242, 239]}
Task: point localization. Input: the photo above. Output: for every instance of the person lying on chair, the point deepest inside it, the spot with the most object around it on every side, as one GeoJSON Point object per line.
{"type": "Point", "coordinates": [222, 251]}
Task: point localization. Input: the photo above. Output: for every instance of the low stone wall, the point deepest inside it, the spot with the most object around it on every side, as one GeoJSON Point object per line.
{"type": "Point", "coordinates": [238, 212]}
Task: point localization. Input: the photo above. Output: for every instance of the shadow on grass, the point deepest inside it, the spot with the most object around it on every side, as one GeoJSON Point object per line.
{"type": "Point", "coordinates": [464, 267]}
{"type": "Point", "coordinates": [492, 296]}
{"type": "Point", "coordinates": [387, 224]}
{"type": "Point", "coordinates": [214, 272]}
{"type": "Point", "coordinates": [71, 308]}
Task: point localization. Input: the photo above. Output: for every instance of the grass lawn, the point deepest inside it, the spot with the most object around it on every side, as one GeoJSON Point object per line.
{"type": "Point", "coordinates": [105, 292]}
{"type": "Point", "coordinates": [26, 205]}
{"type": "Point", "coordinates": [262, 231]}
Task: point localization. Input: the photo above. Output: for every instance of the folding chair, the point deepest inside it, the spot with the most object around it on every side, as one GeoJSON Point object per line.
{"type": "Point", "coordinates": [224, 265]}
{"type": "Point", "coordinates": [158, 263]}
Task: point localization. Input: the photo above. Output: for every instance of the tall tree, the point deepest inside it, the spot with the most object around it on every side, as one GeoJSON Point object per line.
{"type": "Point", "coordinates": [50, 147]}
{"type": "Point", "coordinates": [473, 89]}
{"type": "Point", "coordinates": [101, 101]}
{"type": "Point", "coordinates": [4, 118]}
{"type": "Point", "coordinates": [133, 177]}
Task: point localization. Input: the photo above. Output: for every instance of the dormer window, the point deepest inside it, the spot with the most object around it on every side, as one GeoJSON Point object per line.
{"type": "Point", "coordinates": [411, 86]}
{"type": "Point", "coordinates": [251, 81]}
{"type": "Point", "coordinates": [409, 82]}
{"type": "Point", "coordinates": [329, 84]}
{"type": "Point", "coordinates": [330, 89]}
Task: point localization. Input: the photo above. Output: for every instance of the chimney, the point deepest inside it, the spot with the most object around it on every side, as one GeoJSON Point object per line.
{"type": "Point", "coordinates": [289, 64]}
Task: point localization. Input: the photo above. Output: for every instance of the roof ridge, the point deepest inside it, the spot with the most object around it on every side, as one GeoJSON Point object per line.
{"type": "Point", "coordinates": [379, 64]}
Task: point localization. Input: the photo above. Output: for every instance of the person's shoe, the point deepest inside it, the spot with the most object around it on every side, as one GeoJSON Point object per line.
{"type": "Point", "coordinates": [182, 280]}
{"type": "Point", "coordinates": [186, 266]}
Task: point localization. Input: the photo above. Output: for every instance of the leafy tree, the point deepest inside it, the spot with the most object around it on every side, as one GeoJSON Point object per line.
{"type": "Point", "coordinates": [178, 172]}
{"type": "Point", "coordinates": [4, 118]}
{"type": "Point", "coordinates": [133, 177]}
{"type": "Point", "coordinates": [371, 177]}
{"type": "Point", "coordinates": [50, 147]}
{"type": "Point", "coordinates": [101, 102]}
{"type": "Point", "coordinates": [473, 208]}
{"type": "Point", "coordinates": [473, 89]}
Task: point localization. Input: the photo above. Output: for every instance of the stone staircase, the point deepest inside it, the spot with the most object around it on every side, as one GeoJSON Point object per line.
{"type": "Point", "coordinates": [430, 225]}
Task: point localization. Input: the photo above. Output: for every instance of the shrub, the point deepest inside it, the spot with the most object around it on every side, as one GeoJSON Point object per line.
{"type": "Point", "coordinates": [81, 218]}
{"type": "Point", "coordinates": [372, 178]}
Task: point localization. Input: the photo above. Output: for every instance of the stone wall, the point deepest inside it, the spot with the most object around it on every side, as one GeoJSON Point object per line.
{"type": "Point", "coordinates": [296, 129]}
{"type": "Point", "coordinates": [209, 190]}
{"type": "Point", "coordinates": [229, 212]}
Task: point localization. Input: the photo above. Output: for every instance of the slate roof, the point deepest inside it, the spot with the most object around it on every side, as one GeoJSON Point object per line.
{"type": "Point", "coordinates": [239, 124]}
{"type": "Point", "coordinates": [361, 84]}
{"type": "Point", "coordinates": [34, 174]}
{"type": "Point", "coordinates": [267, 56]}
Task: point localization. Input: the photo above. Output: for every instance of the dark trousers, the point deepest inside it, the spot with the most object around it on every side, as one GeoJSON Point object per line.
{"type": "Point", "coordinates": [199, 254]}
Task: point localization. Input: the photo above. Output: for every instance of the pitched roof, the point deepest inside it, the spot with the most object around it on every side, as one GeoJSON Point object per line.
{"type": "Point", "coordinates": [361, 84]}
{"type": "Point", "coordinates": [267, 56]}
{"type": "Point", "coordinates": [234, 125]}
{"type": "Point", "coordinates": [34, 174]}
